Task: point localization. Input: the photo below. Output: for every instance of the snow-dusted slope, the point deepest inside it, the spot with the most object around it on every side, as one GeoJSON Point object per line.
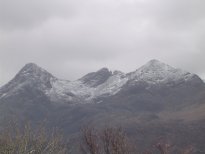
{"type": "Point", "coordinates": [92, 85]}
{"type": "Point", "coordinates": [113, 85]}
{"type": "Point", "coordinates": [80, 91]}
{"type": "Point", "coordinates": [29, 76]}
{"type": "Point", "coordinates": [155, 72]}
{"type": "Point", "coordinates": [67, 90]}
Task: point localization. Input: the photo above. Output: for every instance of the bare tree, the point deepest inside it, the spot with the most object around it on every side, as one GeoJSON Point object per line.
{"type": "Point", "coordinates": [164, 148]}
{"type": "Point", "coordinates": [188, 150]}
{"type": "Point", "coordinates": [16, 140]}
{"type": "Point", "coordinates": [115, 141]}
{"type": "Point", "coordinates": [106, 141]}
{"type": "Point", "coordinates": [90, 141]}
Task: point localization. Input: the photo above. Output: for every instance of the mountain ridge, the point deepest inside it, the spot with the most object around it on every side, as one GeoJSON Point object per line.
{"type": "Point", "coordinates": [95, 84]}
{"type": "Point", "coordinates": [155, 98]}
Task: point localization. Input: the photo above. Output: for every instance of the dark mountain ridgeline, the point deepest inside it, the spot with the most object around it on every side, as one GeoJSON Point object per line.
{"type": "Point", "coordinates": [156, 99]}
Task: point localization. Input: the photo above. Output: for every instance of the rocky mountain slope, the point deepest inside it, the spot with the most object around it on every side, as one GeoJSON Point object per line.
{"type": "Point", "coordinates": [154, 97]}
{"type": "Point", "coordinates": [96, 84]}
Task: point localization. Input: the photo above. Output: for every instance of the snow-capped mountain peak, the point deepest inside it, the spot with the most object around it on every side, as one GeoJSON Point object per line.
{"type": "Point", "coordinates": [34, 70]}
{"type": "Point", "coordinates": [93, 85]}
{"type": "Point", "coordinates": [156, 66]}
{"type": "Point", "coordinates": [157, 72]}
{"type": "Point", "coordinates": [31, 75]}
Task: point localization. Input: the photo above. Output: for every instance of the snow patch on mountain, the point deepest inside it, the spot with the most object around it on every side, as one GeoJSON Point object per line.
{"type": "Point", "coordinates": [67, 90]}
{"type": "Point", "coordinates": [157, 72]}
{"type": "Point", "coordinates": [113, 85]}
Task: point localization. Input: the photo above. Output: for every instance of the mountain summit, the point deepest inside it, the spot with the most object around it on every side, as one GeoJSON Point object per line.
{"type": "Point", "coordinates": [96, 78]}
{"type": "Point", "coordinates": [32, 70]}
{"type": "Point", "coordinates": [155, 97]}
{"type": "Point", "coordinates": [30, 77]}
{"type": "Point", "coordinates": [158, 72]}
{"type": "Point", "coordinates": [96, 84]}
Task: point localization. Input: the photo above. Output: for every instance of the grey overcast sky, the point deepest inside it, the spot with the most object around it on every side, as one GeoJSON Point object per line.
{"type": "Point", "coordinates": [70, 38]}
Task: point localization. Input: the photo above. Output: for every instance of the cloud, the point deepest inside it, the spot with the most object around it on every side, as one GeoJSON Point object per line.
{"type": "Point", "coordinates": [24, 14]}
{"type": "Point", "coordinates": [77, 36]}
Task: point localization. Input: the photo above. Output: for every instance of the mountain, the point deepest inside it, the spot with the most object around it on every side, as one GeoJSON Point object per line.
{"type": "Point", "coordinates": [96, 84]}
{"type": "Point", "coordinates": [28, 76]}
{"type": "Point", "coordinates": [156, 97]}
{"type": "Point", "coordinates": [157, 72]}
{"type": "Point", "coordinates": [157, 82]}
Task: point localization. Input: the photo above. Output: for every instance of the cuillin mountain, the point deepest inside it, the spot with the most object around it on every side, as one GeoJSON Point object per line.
{"type": "Point", "coordinates": [156, 99]}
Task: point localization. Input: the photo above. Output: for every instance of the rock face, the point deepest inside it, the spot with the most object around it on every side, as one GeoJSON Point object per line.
{"type": "Point", "coordinates": [96, 78]}
{"type": "Point", "coordinates": [152, 94]}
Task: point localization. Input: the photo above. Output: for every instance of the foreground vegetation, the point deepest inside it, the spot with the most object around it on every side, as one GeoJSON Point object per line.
{"type": "Point", "coordinates": [18, 140]}
{"type": "Point", "coordinates": [25, 140]}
